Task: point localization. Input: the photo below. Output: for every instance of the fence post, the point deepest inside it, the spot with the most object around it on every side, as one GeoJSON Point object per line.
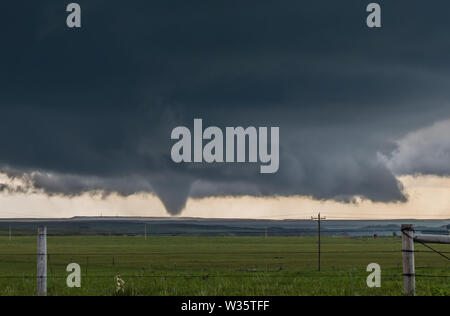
{"type": "Point", "coordinates": [409, 277]}
{"type": "Point", "coordinates": [42, 262]}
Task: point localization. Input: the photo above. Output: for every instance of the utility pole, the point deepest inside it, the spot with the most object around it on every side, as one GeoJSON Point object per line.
{"type": "Point", "coordinates": [145, 234]}
{"type": "Point", "coordinates": [318, 219]}
{"type": "Point", "coordinates": [10, 233]}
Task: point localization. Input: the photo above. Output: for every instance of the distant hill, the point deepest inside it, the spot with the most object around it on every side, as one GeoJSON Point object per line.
{"type": "Point", "coordinates": [214, 227]}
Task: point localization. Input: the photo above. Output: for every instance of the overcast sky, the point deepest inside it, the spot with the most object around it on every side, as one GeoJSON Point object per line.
{"type": "Point", "coordinates": [91, 110]}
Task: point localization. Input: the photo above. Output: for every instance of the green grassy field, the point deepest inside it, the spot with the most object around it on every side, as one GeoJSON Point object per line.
{"type": "Point", "coordinates": [217, 266]}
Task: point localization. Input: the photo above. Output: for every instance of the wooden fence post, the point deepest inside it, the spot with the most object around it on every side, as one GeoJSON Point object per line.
{"type": "Point", "coordinates": [409, 270]}
{"type": "Point", "coordinates": [42, 262]}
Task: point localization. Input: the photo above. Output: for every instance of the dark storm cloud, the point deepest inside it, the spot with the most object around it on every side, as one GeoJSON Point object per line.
{"type": "Point", "coordinates": [425, 151]}
{"type": "Point", "coordinates": [93, 109]}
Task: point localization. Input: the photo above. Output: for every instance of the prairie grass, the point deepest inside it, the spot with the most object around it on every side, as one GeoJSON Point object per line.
{"type": "Point", "coordinates": [211, 266]}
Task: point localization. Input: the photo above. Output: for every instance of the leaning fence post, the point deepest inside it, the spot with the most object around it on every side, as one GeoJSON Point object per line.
{"type": "Point", "coordinates": [42, 262]}
{"type": "Point", "coordinates": [409, 277]}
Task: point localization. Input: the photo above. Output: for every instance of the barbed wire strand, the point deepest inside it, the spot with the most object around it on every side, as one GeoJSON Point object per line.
{"type": "Point", "coordinates": [424, 244]}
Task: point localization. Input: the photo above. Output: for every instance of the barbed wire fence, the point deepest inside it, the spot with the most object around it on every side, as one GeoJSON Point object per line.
{"type": "Point", "coordinates": [259, 274]}
{"type": "Point", "coordinates": [408, 253]}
